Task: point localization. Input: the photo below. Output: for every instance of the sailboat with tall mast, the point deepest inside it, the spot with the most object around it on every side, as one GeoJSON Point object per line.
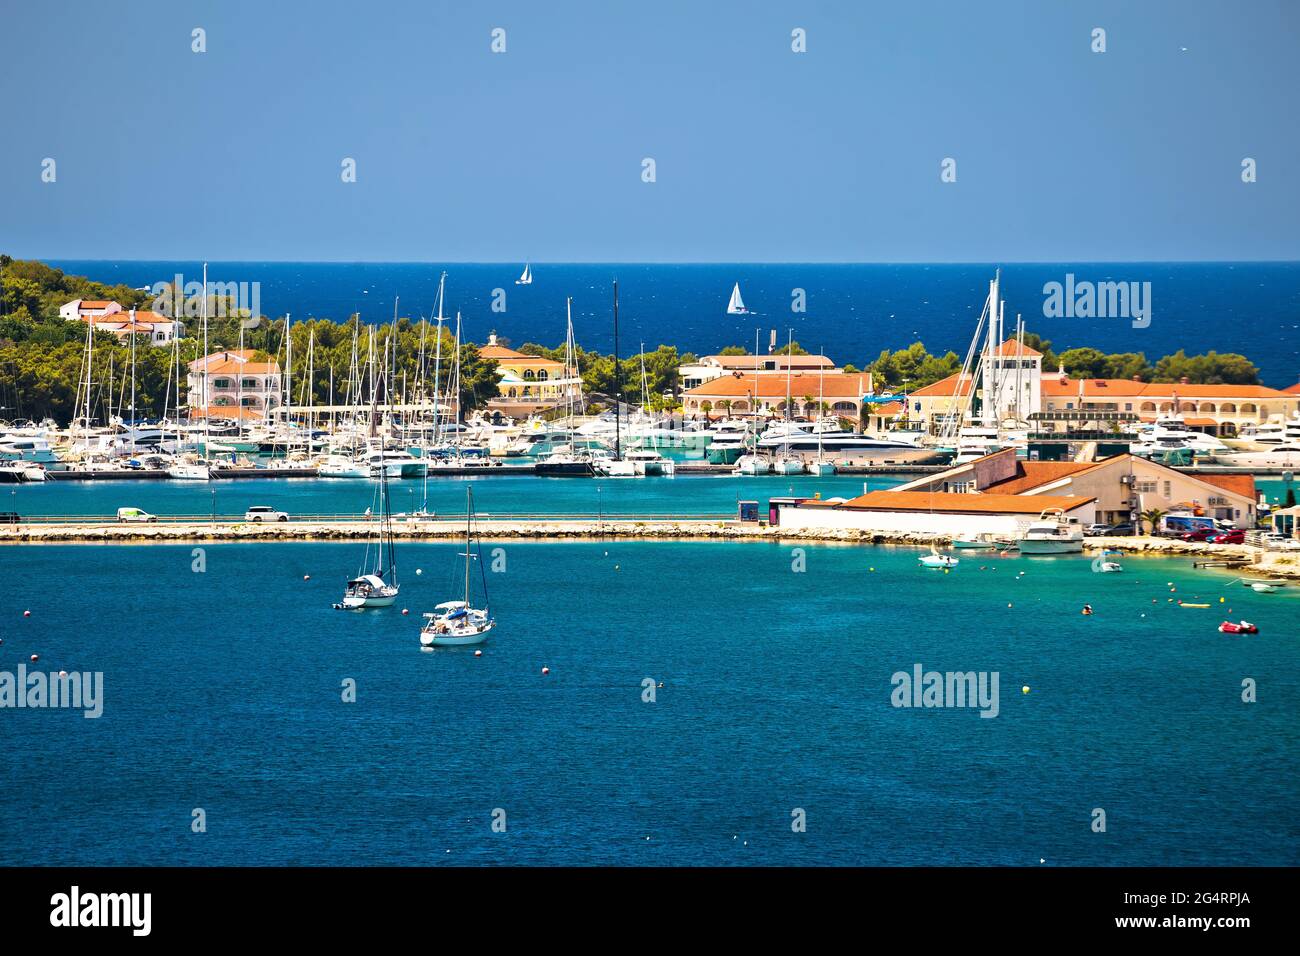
{"type": "Point", "coordinates": [753, 462]}
{"type": "Point", "coordinates": [788, 463]}
{"type": "Point", "coordinates": [617, 466]}
{"type": "Point", "coordinates": [820, 466]}
{"type": "Point", "coordinates": [194, 468]}
{"type": "Point", "coordinates": [568, 460]}
{"type": "Point", "coordinates": [527, 277]}
{"type": "Point", "coordinates": [457, 623]}
{"type": "Point", "coordinates": [376, 582]}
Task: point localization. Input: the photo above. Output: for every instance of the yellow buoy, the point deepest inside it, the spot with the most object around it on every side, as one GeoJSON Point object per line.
{"type": "Point", "coordinates": [1025, 689]}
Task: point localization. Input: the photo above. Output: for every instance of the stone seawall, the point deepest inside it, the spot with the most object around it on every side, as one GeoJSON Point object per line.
{"type": "Point", "coordinates": [1278, 564]}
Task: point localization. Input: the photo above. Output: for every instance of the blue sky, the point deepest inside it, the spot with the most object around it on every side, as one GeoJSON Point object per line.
{"type": "Point", "coordinates": [762, 154]}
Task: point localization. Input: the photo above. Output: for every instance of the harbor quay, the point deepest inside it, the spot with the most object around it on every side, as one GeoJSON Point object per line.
{"type": "Point", "coordinates": [1245, 557]}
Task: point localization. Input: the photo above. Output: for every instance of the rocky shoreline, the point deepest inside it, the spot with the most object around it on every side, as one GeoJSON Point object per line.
{"type": "Point", "coordinates": [1252, 559]}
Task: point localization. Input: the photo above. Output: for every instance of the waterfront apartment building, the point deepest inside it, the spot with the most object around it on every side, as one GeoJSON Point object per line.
{"type": "Point", "coordinates": [843, 394]}
{"type": "Point", "coordinates": [109, 316]}
{"type": "Point", "coordinates": [233, 383]}
{"type": "Point", "coordinates": [528, 383]}
{"type": "Point", "coordinates": [709, 367]}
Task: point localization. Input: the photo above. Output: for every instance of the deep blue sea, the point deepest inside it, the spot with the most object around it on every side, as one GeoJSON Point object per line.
{"type": "Point", "coordinates": [853, 311]}
{"type": "Point", "coordinates": [223, 691]}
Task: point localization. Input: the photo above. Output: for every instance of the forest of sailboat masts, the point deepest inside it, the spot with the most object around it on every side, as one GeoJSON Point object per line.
{"type": "Point", "coordinates": [218, 389]}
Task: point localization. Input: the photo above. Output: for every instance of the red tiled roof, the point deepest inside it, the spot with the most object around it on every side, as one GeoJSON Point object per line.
{"type": "Point", "coordinates": [1013, 348]}
{"type": "Point", "coordinates": [1243, 485]}
{"type": "Point", "coordinates": [740, 385]}
{"type": "Point", "coordinates": [1033, 474]}
{"type": "Point", "coordinates": [946, 386]}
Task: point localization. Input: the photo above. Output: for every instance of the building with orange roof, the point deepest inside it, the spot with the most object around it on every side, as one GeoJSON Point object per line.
{"type": "Point", "coordinates": [107, 316]}
{"type": "Point", "coordinates": [1122, 486]}
{"type": "Point", "coordinates": [1214, 409]}
{"type": "Point", "coordinates": [1018, 372]}
{"type": "Point", "coordinates": [527, 383]}
{"type": "Point", "coordinates": [930, 512]}
{"type": "Point", "coordinates": [710, 367]}
{"type": "Point", "coordinates": [226, 381]}
{"type": "Point", "coordinates": [745, 393]}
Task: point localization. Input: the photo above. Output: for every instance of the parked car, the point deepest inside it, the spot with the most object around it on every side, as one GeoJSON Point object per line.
{"type": "Point", "coordinates": [1291, 544]}
{"type": "Point", "coordinates": [1228, 537]}
{"type": "Point", "coordinates": [1199, 534]}
{"type": "Point", "coordinates": [135, 516]}
{"type": "Point", "coordinates": [265, 513]}
{"type": "Point", "coordinates": [1093, 530]}
{"type": "Point", "coordinates": [1118, 530]}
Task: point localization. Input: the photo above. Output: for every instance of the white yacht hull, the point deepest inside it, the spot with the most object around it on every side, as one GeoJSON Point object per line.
{"type": "Point", "coordinates": [821, 468]}
{"type": "Point", "coordinates": [455, 638]}
{"type": "Point", "coordinates": [788, 466]}
{"type": "Point", "coordinates": [1028, 546]}
{"type": "Point", "coordinates": [753, 466]}
{"type": "Point", "coordinates": [189, 473]}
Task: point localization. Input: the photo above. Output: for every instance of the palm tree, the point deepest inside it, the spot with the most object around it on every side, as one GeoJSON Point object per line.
{"type": "Point", "coordinates": [1152, 515]}
{"type": "Point", "coordinates": [726, 406]}
{"type": "Point", "coordinates": [706, 406]}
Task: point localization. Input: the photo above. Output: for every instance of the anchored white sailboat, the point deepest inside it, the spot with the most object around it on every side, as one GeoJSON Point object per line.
{"type": "Point", "coordinates": [737, 305]}
{"type": "Point", "coordinates": [376, 583]}
{"type": "Point", "coordinates": [457, 623]}
{"type": "Point", "coordinates": [527, 277]}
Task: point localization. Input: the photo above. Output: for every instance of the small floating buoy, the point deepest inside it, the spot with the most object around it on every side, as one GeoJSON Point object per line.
{"type": "Point", "coordinates": [1221, 600]}
{"type": "Point", "coordinates": [616, 567]}
{"type": "Point", "coordinates": [306, 577]}
{"type": "Point", "coordinates": [35, 658]}
{"type": "Point", "coordinates": [1025, 689]}
{"type": "Point", "coordinates": [1087, 609]}
{"type": "Point", "coordinates": [1008, 604]}
{"type": "Point", "coordinates": [27, 613]}
{"type": "Point", "coordinates": [63, 673]}
{"type": "Point", "coordinates": [405, 611]}
{"type": "Point", "coordinates": [419, 571]}
{"type": "Point", "coordinates": [478, 653]}
{"type": "Point", "coordinates": [546, 670]}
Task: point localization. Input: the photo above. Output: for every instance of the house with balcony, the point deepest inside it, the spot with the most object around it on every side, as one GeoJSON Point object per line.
{"type": "Point", "coordinates": [710, 367]}
{"type": "Point", "coordinates": [843, 394]}
{"type": "Point", "coordinates": [233, 384]}
{"type": "Point", "coordinates": [528, 384]}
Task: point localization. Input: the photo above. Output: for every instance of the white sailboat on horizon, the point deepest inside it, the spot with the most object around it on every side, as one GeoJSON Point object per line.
{"type": "Point", "coordinates": [737, 305]}
{"type": "Point", "coordinates": [527, 277]}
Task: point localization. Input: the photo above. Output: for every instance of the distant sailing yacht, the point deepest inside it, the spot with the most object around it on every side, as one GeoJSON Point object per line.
{"type": "Point", "coordinates": [456, 623]}
{"type": "Point", "coordinates": [369, 588]}
{"type": "Point", "coordinates": [737, 305]}
{"type": "Point", "coordinates": [527, 277]}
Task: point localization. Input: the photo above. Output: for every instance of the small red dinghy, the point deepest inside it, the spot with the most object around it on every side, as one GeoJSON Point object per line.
{"type": "Point", "coordinates": [1238, 627]}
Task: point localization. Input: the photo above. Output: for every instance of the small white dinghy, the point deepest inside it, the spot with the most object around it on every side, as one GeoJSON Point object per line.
{"type": "Point", "coordinates": [936, 560]}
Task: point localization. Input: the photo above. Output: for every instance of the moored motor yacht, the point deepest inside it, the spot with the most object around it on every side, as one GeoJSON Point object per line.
{"type": "Point", "coordinates": [1052, 533]}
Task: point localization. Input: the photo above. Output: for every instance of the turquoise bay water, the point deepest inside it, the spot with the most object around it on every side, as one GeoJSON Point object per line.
{"type": "Point", "coordinates": [684, 495]}
{"type": "Point", "coordinates": [223, 692]}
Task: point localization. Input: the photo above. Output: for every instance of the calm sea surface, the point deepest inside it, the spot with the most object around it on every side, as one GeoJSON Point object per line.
{"type": "Point", "coordinates": [223, 692]}
{"type": "Point", "coordinates": [853, 311]}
